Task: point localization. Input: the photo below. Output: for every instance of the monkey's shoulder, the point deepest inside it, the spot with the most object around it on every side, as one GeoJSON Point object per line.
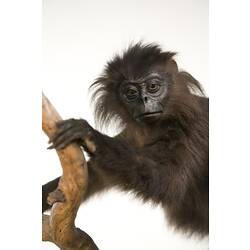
{"type": "Point", "coordinates": [203, 102]}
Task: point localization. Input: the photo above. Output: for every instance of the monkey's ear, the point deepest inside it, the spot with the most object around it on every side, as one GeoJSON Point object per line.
{"type": "Point", "coordinates": [172, 67]}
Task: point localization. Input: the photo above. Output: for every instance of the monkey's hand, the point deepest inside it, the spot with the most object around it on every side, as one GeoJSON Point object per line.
{"type": "Point", "coordinates": [73, 130]}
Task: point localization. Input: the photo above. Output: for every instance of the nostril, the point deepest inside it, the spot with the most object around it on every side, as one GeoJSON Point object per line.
{"type": "Point", "coordinates": [145, 98]}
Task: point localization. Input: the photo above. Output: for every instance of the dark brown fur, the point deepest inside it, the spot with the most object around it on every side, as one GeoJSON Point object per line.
{"type": "Point", "coordinates": [165, 161]}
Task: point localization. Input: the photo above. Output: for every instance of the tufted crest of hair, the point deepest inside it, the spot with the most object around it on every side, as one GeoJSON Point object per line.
{"type": "Point", "coordinates": [132, 64]}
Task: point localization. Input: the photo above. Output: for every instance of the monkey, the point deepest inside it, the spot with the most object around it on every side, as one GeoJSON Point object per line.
{"type": "Point", "coordinates": [161, 153]}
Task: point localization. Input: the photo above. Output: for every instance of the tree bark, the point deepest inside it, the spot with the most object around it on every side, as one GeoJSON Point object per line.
{"type": "Point", "coordinates": [59, 226]}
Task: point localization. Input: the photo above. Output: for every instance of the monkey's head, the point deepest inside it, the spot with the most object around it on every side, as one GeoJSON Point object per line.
{"type": "Point", "coordinates": [137, 85]}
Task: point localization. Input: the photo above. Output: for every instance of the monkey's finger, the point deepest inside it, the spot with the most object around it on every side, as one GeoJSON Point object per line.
{"type": "Point", "coordinates": [67, 140]}
{"type": "Point", "coordinates": [59, 138]}
{"type": "Point", "coordinates": [61, 130]}
{"type": "Point", "coordinates": [70, 133]}
{"type": "Point", "coordinates": [62, 135]}
{"type": "Point", "coordinates": [55, 196]}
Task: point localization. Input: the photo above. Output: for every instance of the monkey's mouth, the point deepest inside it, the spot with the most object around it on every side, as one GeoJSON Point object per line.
{"type": "Point", "coordinates": [149, 115]}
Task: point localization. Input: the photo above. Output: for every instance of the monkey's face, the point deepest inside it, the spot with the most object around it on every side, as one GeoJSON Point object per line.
{"type": "Point", "coordinates": [144, 97]}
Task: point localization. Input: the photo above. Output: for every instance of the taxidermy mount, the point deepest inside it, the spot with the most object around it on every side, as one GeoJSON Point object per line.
{"type": "Point", "coordinates": [161, 153]}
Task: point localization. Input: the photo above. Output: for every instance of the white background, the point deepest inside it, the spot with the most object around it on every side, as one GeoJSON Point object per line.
{"type": "Point", "coordinates": [22, 143]}
{"type": "Point", "coordinates": [78, 38]}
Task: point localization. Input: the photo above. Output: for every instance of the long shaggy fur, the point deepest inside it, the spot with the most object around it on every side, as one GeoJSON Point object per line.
{"type": "Point", "coordinates": [165, 161]}
{"type": "Point", "coordinates": [180, 180]}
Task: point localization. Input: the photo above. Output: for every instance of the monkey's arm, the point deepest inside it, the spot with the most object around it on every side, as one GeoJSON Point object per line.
{"type": "Point", "coordinates": [97, 178]}
{"type": "Point", "coordinates": [128, 168]}
{"type": "Point", "coordinates": [114, 158]}
{"type": "Point", "coordinates": [109, 150]}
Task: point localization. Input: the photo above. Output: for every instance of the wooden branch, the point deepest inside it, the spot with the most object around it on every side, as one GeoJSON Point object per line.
{"type": "Point", "coordinates": [59, 226]}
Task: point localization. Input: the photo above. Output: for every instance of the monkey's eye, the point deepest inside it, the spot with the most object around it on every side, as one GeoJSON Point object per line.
{"type": "Point", "coordinates": [131, 94]}
{"type": "Point", "coordinates": [153, 87]}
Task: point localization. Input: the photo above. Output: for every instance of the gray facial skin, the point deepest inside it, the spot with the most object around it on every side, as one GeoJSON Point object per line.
{"type": "Point", "coordinates": [143, 97]}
